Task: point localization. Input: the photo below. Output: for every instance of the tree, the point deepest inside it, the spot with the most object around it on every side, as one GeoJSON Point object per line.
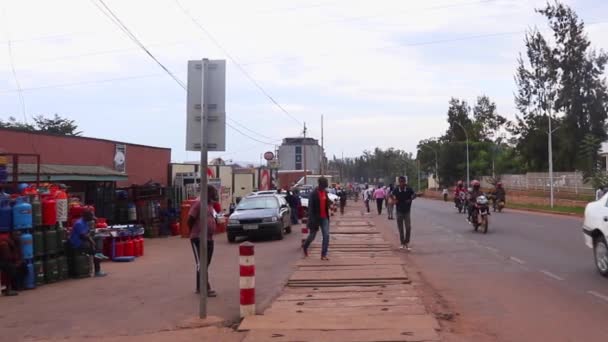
{"type": "Point", "coordinates": [487, 121]}
{"type": "Point", "coordinates": [55, 125]}
{"type": "Point", "coordinates": [458, 113]}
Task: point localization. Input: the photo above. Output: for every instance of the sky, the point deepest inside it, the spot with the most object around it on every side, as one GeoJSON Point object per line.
{"type": "Point", "coordinates": [380, 72]}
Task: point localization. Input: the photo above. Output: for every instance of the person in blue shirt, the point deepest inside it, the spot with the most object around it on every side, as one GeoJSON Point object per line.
{"type": "Point", "coordinates": [81, 240]}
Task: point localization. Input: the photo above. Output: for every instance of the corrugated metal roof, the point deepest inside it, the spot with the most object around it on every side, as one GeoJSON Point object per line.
{"type": "Point", "coordinates": [68, 172]}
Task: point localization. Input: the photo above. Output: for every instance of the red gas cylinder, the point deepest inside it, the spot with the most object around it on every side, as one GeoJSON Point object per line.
{"type": "Point", "coordinates": [141, 246]}
{"type": "Point", "coordinates": [129, 248]}
{"type": "Point", "coordinates": [49, 211]}
{"type": "Point", "coordinates": [119, 248]}
{"type": "Point", "coordinates": [183, 219]}
{"type": "Point", "coordinates": [174, 228]}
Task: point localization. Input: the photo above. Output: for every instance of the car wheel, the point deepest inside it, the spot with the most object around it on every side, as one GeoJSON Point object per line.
{"type": "Point", "coordinates": [288, 229]}
{"type": "Point", "coordinates": [231, 237]}
{"type": "Point", "coordinates": [601, 255]}
{"type": "Point", "coordinates": [280, 233]}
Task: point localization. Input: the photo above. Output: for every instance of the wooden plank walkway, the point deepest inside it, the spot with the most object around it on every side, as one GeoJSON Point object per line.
{"type": "Point", "coordinates": [362, 294]}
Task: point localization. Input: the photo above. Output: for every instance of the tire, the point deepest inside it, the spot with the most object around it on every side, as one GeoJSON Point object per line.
{"type": "Point", "coordinates": [288, 229]}
{"type": "Point", "coordinates": [485, 225]}
{"type": "Point", "coordinates": [231, 238]}
{"type": "Point", "coordinates": [600, 253]}
{"type": "Point", "coordinates": [280, 234]}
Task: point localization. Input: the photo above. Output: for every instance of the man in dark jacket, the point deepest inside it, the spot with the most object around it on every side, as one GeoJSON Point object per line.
{"type": "Point", "coordinates": [318, 217]}
{"type": "Point", "coordinates": [403, 196]}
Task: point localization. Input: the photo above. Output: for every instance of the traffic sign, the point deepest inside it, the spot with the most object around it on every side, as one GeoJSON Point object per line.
{"type": "Point", "coordinates": [269, 155]}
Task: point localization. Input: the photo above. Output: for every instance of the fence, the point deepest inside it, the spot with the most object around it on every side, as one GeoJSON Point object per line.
{"type": "Point", "coordinates": [567, 182]}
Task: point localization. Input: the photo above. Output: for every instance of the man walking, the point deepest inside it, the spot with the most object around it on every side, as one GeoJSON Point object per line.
{"type": "Point", "coordinates": [403, 196]}
{"type": "Point", "coordinates": [366, 198]}
{"type": "Point", "coordinates": [379, 195]}
{"type": "Point", "coordinates": [318, 217]}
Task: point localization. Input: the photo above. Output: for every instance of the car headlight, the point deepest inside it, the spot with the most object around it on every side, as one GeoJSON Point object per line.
{"type": "Point", "coordinates": [233, 222]}
{"type": "Point", "coordinates": [271, 219]}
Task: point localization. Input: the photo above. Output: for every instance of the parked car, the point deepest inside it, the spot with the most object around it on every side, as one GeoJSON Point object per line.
{"type": "Point", "coordinates": [260, 214]}
{"type": "Point", "coordinates": [595, 229]}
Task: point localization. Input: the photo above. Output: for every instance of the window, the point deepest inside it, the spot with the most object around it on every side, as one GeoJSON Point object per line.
{"type": "Point", "coordinates": [298, 149]}
{"type": "Point", "coordinates": [298, 158]}
{"type": "Point", "coordinates": [298, 166]}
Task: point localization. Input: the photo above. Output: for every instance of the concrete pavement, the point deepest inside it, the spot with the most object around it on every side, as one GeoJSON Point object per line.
{"type": "Point", "coordinates": [363, 293]}
{"type": "Point", "coordinates": [530, 278]}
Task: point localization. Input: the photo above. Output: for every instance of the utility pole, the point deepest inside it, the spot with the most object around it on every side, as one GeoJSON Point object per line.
{"type": "Point", "coordinates": [418, 172]}
{"type": "Point", "coordinates": [304, 153]}
{"type": "Point", "coordinates": [322, 149]}
{"type": "Point", "coordinates": [550, 158]}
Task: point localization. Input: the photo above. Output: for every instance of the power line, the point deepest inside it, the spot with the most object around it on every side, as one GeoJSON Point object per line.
{"type": "Point", "coordinates": [13, 69]}
{"type": "Point", "coordinates": [238, 65]}
{"type": "Point", "coordinates": [252, 131]}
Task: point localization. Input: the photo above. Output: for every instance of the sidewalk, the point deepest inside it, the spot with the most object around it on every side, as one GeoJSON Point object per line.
{"type": "Point", "coordinates": [361, 294]}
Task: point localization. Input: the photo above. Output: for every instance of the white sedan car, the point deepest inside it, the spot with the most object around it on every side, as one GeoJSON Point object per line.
{"type": "Point", "coordinates": [595, 229]}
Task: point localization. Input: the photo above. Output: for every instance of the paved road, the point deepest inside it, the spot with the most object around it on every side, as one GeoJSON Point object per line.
{"type": "Point", "coordinates": [530, 278]}
{"type": "Point", "coordinates": [151, 294]}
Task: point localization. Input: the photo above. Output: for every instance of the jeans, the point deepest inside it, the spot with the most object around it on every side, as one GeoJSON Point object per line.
{"type": "Point", "coordinates": [324, 222]}
{"type": "Point", "coordinates": [294, 215]}
{"type": "Point", "coordinates": [196, 242]}
{"type": "Point", "coordinates": [379, 203]}
{"type": "Point", "coordinates": [401, 219]}
{"type": "Point", "coordinates": [367, 205]}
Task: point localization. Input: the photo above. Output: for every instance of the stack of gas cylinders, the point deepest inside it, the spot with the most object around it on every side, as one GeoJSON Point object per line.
{"type": "Point", "coordinates": [122, 241]}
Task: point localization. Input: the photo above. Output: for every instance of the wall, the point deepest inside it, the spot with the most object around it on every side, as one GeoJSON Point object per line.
{"type": "Point", "coordinates": [287, 157]}
{"type": "Point", "coordinates": [143, 163]}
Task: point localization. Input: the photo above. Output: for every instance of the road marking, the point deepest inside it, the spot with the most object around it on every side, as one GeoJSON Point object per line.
{"type": "Point", "coordinates": [551, 275]}
{"type": "Point", "coordinates": [519, 261]}
{"type": "Point", "coordinates": [495, 250]}
{"type": "Point", "coordinates": [598, 295]}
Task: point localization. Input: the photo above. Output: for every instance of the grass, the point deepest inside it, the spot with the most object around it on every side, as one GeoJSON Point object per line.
{"type": "Point", "coordinates": [556, 209]}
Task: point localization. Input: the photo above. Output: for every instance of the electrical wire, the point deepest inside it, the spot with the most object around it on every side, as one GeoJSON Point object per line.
{"type": "Point", "coordinates": [238, 65]}
{"type": "Point", "coordinates": [110, 14]}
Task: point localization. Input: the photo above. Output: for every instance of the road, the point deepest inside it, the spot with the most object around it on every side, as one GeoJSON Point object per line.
{"type": "Point", "coordinates": [154, 293]}
{"type": "Point", "coordinates": [530, 278]}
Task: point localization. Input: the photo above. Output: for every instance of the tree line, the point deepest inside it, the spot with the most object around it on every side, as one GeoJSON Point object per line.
{"type": "Point", "coordinates": [55, 125]}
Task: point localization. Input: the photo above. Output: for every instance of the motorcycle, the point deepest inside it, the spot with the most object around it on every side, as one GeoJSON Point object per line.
{"type": "Point", "coordinates": [481, 214]}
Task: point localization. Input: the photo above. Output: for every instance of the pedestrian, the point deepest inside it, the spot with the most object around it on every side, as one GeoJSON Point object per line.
{"type": "Point", "coordinates": [342, 195]}
{"type": "Point", "coordinates": [318, 217]}
{"type": "Point", "coordinates": [445, 194]}
{"type": "Point", "coordinates": [379, 195]}
{"type": "Point", "coordinates": [390, 203]}
{"type": "Point", "coordinates": [293, 205]}
{"type": "Point", "coordinates": [403, 196]}
{"type": "Point", "coordinates": [81, 241]}
{"type": "Point", "coordinates": [11, 262]}
{"type": "Point", "coordinates": [194, 224]}
{"type": "Point", "coordinates": [366, 198]}
{"type": "Point", "coordinates": [599, 193]}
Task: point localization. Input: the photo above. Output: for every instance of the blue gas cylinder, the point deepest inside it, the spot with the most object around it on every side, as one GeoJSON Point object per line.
{"type": "Point", "coordinates": [6, 215]}
{"type": "Point", "coordinates": [30, 276]}
{"type": "Point", "coordinates": [22, 214]}
{"type": "Point", "coordinates": [27, 246]}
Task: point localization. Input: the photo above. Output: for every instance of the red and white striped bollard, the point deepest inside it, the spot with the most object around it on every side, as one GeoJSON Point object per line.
{"type": "Point", "coordinates": [247, 279]}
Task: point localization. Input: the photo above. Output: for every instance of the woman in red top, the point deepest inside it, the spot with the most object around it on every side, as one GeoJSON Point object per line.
{"type": "Point", "coordinates": [318, 217]}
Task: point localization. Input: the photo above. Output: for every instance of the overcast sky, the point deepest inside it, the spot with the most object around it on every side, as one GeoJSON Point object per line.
{"type": "Point", "coordinates": [380, 71]}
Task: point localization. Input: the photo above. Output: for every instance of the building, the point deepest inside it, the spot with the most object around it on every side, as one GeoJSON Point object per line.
{"type": "Point", "coordinates": [301, 153]}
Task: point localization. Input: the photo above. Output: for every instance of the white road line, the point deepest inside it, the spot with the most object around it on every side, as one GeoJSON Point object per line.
{"type": "Point", "coordinates": [495, 250]}
{"type": "Point", "coordinates": [598, 295]}
{"type": "Point", "coordinates": [519, 261]}
{"type": "Point", "coordinates": [551, 275]}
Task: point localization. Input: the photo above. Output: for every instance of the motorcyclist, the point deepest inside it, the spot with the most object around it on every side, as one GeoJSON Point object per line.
{"type": "Point", "coordinates": [473, 194]}
{"type": "Point", "coordinates": [499, 194]}
{"type": "Point", "coordinates": [457, 193]}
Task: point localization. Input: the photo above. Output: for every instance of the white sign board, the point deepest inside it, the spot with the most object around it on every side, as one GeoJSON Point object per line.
{"type": "Point", "coordinates": [206, 87]}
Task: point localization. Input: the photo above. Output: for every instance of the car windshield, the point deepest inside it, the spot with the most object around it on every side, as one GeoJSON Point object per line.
{"type": "Point", "coordinates": [258, 203]}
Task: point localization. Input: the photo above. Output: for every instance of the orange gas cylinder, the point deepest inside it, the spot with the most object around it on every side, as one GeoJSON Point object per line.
{"type": "Point", "coordinates": [129, 248]}
{"type": "Point", "coordinates": [119, 248]}
{"type": "Point", "coordinates": [183, 220]}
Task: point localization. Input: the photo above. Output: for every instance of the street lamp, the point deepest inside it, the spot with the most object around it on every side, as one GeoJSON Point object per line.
{"type": "Point", "coordinates": [467, 137]}
{"type": "Point", "coordinates": [436, 166]}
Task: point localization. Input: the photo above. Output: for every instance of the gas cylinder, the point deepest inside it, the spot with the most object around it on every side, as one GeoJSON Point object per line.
{"type": "Point", "coordinates": [62, 267]}
{"type": "Point", "coordinates": [75, 212]}
{"type": "Point", "coordinates": [141, 246]}
{"type": "Point", "coordinates": [82, 266]}
{"type": "Point", "coordinates": [62, 206]}
{"type": "Point", "coordinates": [36, 211]}
{"type": "Point", "coordinates": [50, 241]}
{"type": "Point", "coordinates": [119, 248]}
{"type": "Point", "coordinates": [6, 215]}
{"type": "Point", "coordinates": [27, 245]}
{"type": "Point", "coordinates": [51, 271]}
{"type": "Point", "coordinates": [39, 272]}
{"type": "Point", "coordinates": [132, 212]}
{"type": "Point", "coordinates": [29, 282]}
{"type": "Point", "coordinates": [129, 248]}
{"type": "Point", "coordinates": [185, 210]}
{"type": "Point", "coordinates": [174, 228]}
{"type": "Point", "coordinates": [136, 244]}
{"type": "Point", "coordinates": [49, 211]}
{"type": "Point", "coordinates": [38, 243]}
{"type": "Point", "coordinates": [22, 214]}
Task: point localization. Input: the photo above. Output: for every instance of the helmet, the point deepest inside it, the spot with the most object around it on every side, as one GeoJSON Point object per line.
{"type": "Point", "coordinates": [475, 183]}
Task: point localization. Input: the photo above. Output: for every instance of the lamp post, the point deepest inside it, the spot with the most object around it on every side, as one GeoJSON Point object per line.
{"type": "Point", "coordinates": [467, 137]}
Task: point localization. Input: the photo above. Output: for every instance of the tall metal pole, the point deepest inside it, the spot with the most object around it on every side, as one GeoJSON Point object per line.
{"type": "Point", "coordinates": [550, 159]}
{"type": "Point", "coordinates": [322, 149]}
{"type": "Point", "coordinates": [203, 196]}
{"type": "Point", "coordinates": [304, 154]}
{"type": "Point", "coordinates": [467, 137]}
{"type": "Point", "coordinates": [418, 172]}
